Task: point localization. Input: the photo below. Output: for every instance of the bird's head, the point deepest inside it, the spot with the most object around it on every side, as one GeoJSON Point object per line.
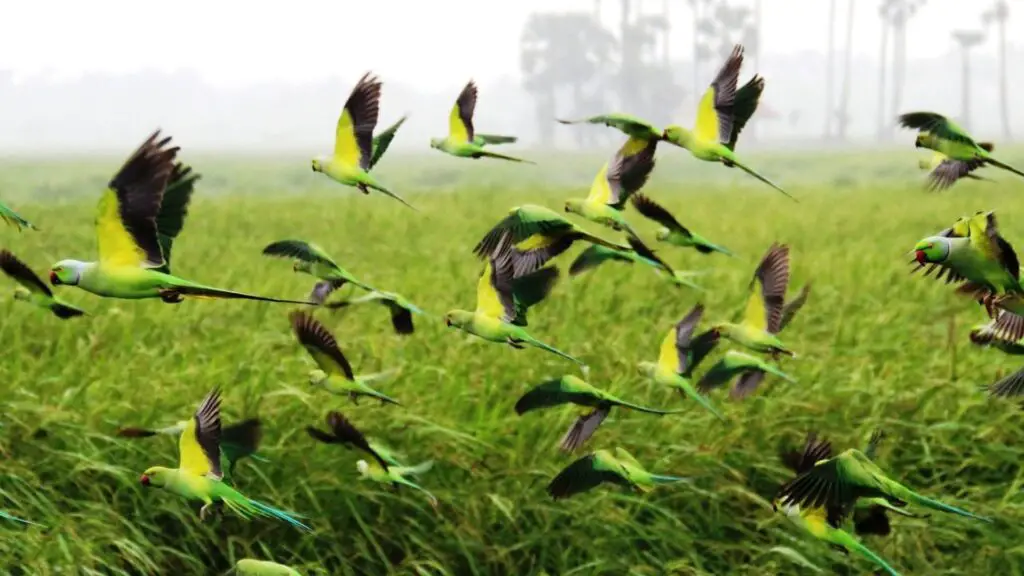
{"type": "Point", "coordinates": [436, 142]}
{"type": "Point", "coordinates": [317, 377]}
{"type": "Point", "coordinates": [932, 250]}
{"type": "Point", "coordinates": [676, 135]}
{"type": "Point", "coordinates": [317, 164]}
{"type": "Point", "coordinates": [363, 466]}
{"type": "Point", "coordinates": [67, 272]}
{"type": "Point", "coordinates": [155, 476]}
{"type": "Point", "coordinates": [923, 140]}
{"type": "Point", "coordinates": [574, 205]}
{"type": "Point", "coordinates": [20, 293]}
{"type": "Point", "coordinates": [646, 368]}
{"type": "Point", "coordinates": [662, 234]}
{"type": "Point", "coordinates": [457, 318]}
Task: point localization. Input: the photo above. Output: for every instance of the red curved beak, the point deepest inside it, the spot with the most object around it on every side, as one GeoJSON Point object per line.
{"type": "Point", "coordinates": [53, 278]}
{"type": "Point", "coordinates": [144, 480]}
{"type": "Point", "coordinates": [920, 257]}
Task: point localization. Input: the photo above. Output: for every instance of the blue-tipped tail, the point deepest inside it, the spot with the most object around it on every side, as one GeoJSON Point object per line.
{"type": "Point", "coordinates": [271, 512]}
{"type": "Point", "coordinates": [936, 505]}
{"type": "Point", "coordinates": [662, 479]}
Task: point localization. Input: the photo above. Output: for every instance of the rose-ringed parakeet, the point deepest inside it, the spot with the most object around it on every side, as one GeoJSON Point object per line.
{"type": "Point", "coordinates": [313, 260]}
{"type": "Point", "coordinates": [936, 132]}
{"type": "Point", "coordinates": [237, 441]}
{"type": "Point", "coordinates": [618, 467]}
{"type": "Point", "coordinates": [502, 302]}
{"type": "Point", "coordinates": [721, 115]}
{"type": "Point", "coordinates": [569, 389]}
{"type": "Point", "coordinates": [672, 231]}
{"type": "Point", "coordinates": [537, 234]}
{"type": "Point", "coordinates": [462, 140]}
{"type": "Point", "coordinates": [14, 219]}
{"type": "Point", "coordinates": [400, 309]}
{"type": "Point", "coordinates": [749, 369]}
{"type": "Point", "coordinates": [354, 150]}
{"type": "Point", "coordinates": [396, 476]}
{"type": "Point", "coordinates": [595, 255]}
{"type": "Point", "coordinates": [33, 290]}
{"type": "Point", "coordinates": [138, 217]}
{"type": "Point", "coordinates": [944, 171]}
{"type": "Point", "coordinates": [635, 128]}
{"type": "Point", "coordinates": [198, 475]}
{"type": "Point", "coordinates": [343, 432]}
{"type": "Point", "coordinates": [619, 178]}
{"type": "Point", "coordinates": [679, 354]}
{"type": "Point", "coordinates": [251, 567]}
{"type": "Point", "coordinates": [334, 373]}
{"type": "Point", "coordinates": [762, 318]}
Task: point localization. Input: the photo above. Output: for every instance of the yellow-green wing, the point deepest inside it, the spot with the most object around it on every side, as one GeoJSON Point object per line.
{"type": "Point", "coordinates": [494, 290]}
{"type": "Point", "coordinates": [320, 344]}
{"type": "Point", "coordinates": [460, 121]}
{"type": "Point", "coordinates": [984, 235]}
{"type": "Point", "coordinates": [126, 231]}
{"type": "Point", "coordinates": [768, 291]}
{"type": "Point", "coordinates": [353, 136]}
{"type": "Point", "coordinates": [668, 355]}
{"type": "Point", "coordinates": [599, 189]}
{"type": "Point", "coordinates": [22, 274]}
{"type": "Point", "coordinates": [714, 113]}
{"type": "Point", "coordinates": [199, 445]}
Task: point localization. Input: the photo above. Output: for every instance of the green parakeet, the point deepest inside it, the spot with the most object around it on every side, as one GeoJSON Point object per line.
{"type": "Point", "coordinates": [354, 150]}
{"type": "Point", "coordinates": [400, 309]}
{"type": "Point", "coordinates": [619, 178]}
{"type": "Point", "coordinates": [762, 318]}
{"type": "Point", "coordinates": [9, 518]}
{"type": "Point", "coordinates": [679, 355]}
{"type": "Point", "coordinates": [462, 140]}
{"type": "Point", "coordinates": [343, 432]}
{"type": "Point", "coordinates": [635, 128]}
{"type": "Point", "coordinates": [825, 521]}
{"type": "Point", "coordinates": [672, 231]}
{"type": "Point", "coordinates": [749, 369]}
{"type": "Point", "coordinates": [198, 475]}
{"type": "Point", "coordinates": [936, 132]}
{"type": "Point", "coordinates": [250, 567]}
{"type": "Point", "coordinates": [944, 171]}
{"type": "Point", "coordinates": [237, 441]}
{"type": "Point", "coordinates": [537, 234]}
{"type": "Point", "coordinates": [502, 302]}
{"type": "Point", "coordinates": [14, 219]}
{"type": "Point", "coordinates": [313, 260]}
{"type": "Point", "coordinates": [595, 255]}
{"type": "Point", "coordinates": [334, 373]}
{"type": "Point", "coordinates": [137, 220]}
{"type": "Point", "coordinates": [33, 290]}
{"type": "Point", "coordinates": [721, 115]}
{"type": "Point", "coordinates": [618, 467]}
{"type": "Point", "coordinates": [569, 389]}
{"type": "Point", "coordinates": [396, 476]}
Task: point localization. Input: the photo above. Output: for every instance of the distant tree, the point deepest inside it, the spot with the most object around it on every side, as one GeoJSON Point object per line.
{"type": "Point", "coordinates": [998, 14]}
{"type": "Point", "coordinates": [830, 70]}
{"type": "Point", "coordinates": [899, 13]}
{"type": "Point", "coordinates": [565, 53]}
{"type": "Point", "coordinates": [883, 54]}
{"type": "Point", "coordinates": [843, 112]}
{"type": "Point", "coordinates": [966, 39]}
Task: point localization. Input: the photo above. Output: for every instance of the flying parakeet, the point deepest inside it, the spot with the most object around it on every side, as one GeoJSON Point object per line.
{"type": "Point", "coordinates": [198, 475]}
{"type": "Point", "coordinates": [619, 178]}
{"type": "Point", "coordinates": [343, 432]}
{"type": "Point", "coordinates": [400, 309]}
{"type": "Point", "coordinates": [750, 370]}
{"type": "Point", "coordinates": [334, 373]}
{"type": "Point", "coordinates": [313, 260]}
{"type": "Point", "coordinates": [721, 115]}
{"type": "Point", "coordinates": [462, 140]}
{"type": "Point", "coordinates": [762, 318]}
{"type": "Point", "coordinates": [936, 132]}
{"type": "Point", "coordinates": [672, 231]}
{"type": "Point", "coordinates": [679, 355]}
{"type": "Point", "coordinates": [536, 234]}
{"type": "Point", "coordinates": [635, 128]}
{"type": "Point", "coordinates": [237, 441]}
{"type": "Point", "coordinates": [944, 171]}
{"type": "Point", "coordinates": [570, 389]}
{"type": "Point", "coordinates": [618, 467]}
{"type": "Point", "coordinates": [396, 476]}
{"type": "Point", "coordinates": [138, 218]}
{"type": "Point", "coordinates": [33, 290]}
{"type": "Point", "coordinates": [250, 567]}
{"type": "Point", "coordinates": [354, 149]}
{"type": "Point", "coordinates": [595, 255]}
{"type": "Point", "coordinates": [502, 302]}
{"type": "Point", "coordinates": [11, 217]}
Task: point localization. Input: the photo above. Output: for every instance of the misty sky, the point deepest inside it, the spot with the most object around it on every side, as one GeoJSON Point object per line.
{"type": "Point", "coordinates": [432, 44]}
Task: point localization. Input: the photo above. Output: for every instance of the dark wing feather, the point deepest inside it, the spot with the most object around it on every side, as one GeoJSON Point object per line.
{"type": "Point", "coordinates": [502, 274]}
{"type": "Point", "coordinates": [298, 249]}
{"type": "Point", "coordinates": [208, 431]}
{"type": "Point", "coordinates": [592, 257]}
{"type": "Point", "coordinates": [241, 439]}
{"type": "Point", "coordinates": [773, 273]}
{"type": "Point", "coordinates": [315, 337]}
{"type": "Point", "coordinates": [654, 211]}
{"type": "Point", "coordinates": [725, 84]}
{"type": "Point", "coordinates": [383, 139]}
{"type": "Point", "coordinates": [528, 261]}
{"type": "Point", "coordinates": [949, 171]}
{"type": "Point", "coordinates": [528, 290]}
{"type": "Point", "coordinates": [746, 384]}
{"type": "Point", "coordinates": [823, 485]}
{"type": "Point", "coordinates": [346, 433]}
{"type": "Point", "coordinates": [20, 272]}
{"type": "Point", "coordinates": [1004, 251]}
{"type": "Point", "coordinates": [139, 186]}
{"type": "Point", "coordinates": [363, 107]}
{"type": "Point", "coordinates": [518, 227]}
{"type": "Point", "coordinates": [644, 251]}
{"type": "Point", "coordinates": [684, 333]}
{"type": "Point", "coordinates": [793, 306]}
{"type": "Point", "coordinates": [63, 311]}
{"type": "Point", "coordinates": [401, 318]}
{"type": "Point", "coordinates": [936, 124]}
{"type": "Point", "coordinates": [467, 107]}
{"type": "Point", "coordinates": [580, 476]}
{"type": "Point", "coordinates": [627, 174]}
{"type": "Point", "coordinates": [874, 520]}
{"type": "Point", "coordinates": [699, 349]}
{"type": "Point", "coordinates": [1010, 386]}
{"type": "Point", "coordinates": [583, 428]}
{"type": "Point", "coordinates": [174, 209]}
{"type": "Point", "coordinates": [744, 106]}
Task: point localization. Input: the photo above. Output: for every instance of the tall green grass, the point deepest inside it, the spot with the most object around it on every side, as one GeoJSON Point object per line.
{"type": "Point", "coordinates": [877, 347]}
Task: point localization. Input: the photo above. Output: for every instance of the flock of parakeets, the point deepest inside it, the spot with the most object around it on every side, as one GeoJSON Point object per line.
{"type": "Point", "coordinates": [144, 207]}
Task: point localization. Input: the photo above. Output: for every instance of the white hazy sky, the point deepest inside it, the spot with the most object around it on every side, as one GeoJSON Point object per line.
{"type": "Point", "coordinates": [430, 43]}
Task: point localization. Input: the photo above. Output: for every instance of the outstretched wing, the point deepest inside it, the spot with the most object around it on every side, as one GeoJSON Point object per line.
{"type": "Point", "coordinates": [494, 296]}
{"type": "Point", "coordinates": [199, 445]}
{"type": "Point", "coordinates": [628, 171]}
{"type": "Point", "coordinates": [715, 113]}
{"type": "Point", "coordinates": [353, 135]}
{"type": "Point", "coordinates": [320, 344]}
{"type": "Point", "coordinates": [948, 171]}
{"type": "Point", "coordinates": [815, 450]}
{"type": "Point", "coordinates": [126, 228]}
{"type": "Point", "coordinates": [22, 274]}
{"type": "Point", "coordinates": [460, 120]}
{"type": "Point", "coordinates": [828, 483]}
{"type": "Point", "coordinates": [585, 474]}
{"type": "Point", "coordinates": [744, 106]}
{"type": "Point", "coordinates": [644, 251]}
{"type": "Point", "coordinates": [346, 433]}
{"type": "Point", "coordinates": [654, 211]}
{"type": "Point", "coordinates": [793, 306]}
{"type": "Point", "coordinates": [301, 250]}
{"type": "Point", "coordinates": [936, 124]}
{"type": "Point", "coordinates": [174, 209]}
{"type": "Point", "coordinates": [522, 223]}
{"type": "Point", "coordinates": [984, 235]}
{"type": "Point", "coordinates": [768, 290]}
{"type": "Point", "coordinates": [383, 139]}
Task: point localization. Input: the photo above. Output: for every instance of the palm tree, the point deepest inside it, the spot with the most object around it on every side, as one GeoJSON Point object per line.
{"type": "Point", "coordinates": [830, 70]}
{"type": "Point", "coordinates": [883, 13]}
{"type": "Point", "coordinates": [999, 14]}
{"type": "Point", "coordinates": [843, 113]}
{"type": "Point", "coordinates": [900, 13]}
{"type": "Point", "coordinates": [967, 39]}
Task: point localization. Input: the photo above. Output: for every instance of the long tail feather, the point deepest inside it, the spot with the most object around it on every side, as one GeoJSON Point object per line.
{"type": "Point", "coordinates": [851, 543]}
{"type": "Point", "coordinates": [490, 154]}
{"type": "Point", "coordinates": [663, 479]}
{"type": "Point", "coordinates": [207, 292]}
{"type": "Point", "coordinates": [920, 500]}
{"type": "Point", "coordinates": [688, 390]}
{"type": "Point", "coordinates": [995, 162]}
{"type": "Point", "coordinates": [271, 512]}
{"type": "Point", "coordinates": [755, 174]}
{"type": "Point", "coordinates": [553, 350]}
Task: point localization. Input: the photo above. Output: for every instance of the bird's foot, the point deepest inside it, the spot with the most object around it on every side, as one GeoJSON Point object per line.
{"type": "Point", "coordinates": [517, 344]}
{"type": "Point", "coordinates": [203, 512]}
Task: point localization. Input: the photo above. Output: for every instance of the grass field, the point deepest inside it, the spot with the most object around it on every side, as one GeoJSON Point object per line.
{"type": "Point", "coordinates": [877, 347]}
